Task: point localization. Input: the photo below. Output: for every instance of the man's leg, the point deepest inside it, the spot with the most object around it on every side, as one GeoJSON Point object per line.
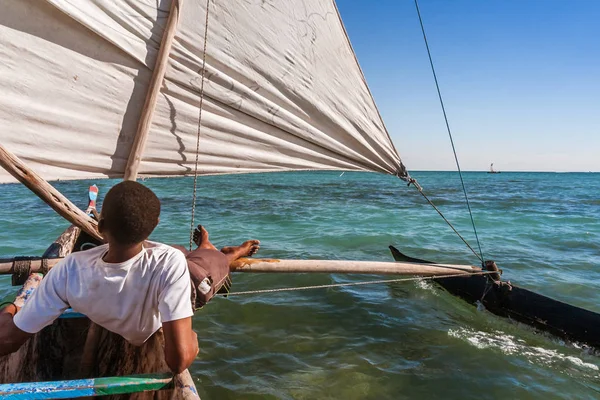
{"type": "Point", "coordinates": [232, 253]}
{"type": "Point", "coordinates": [200, 237]}
{"type": "Point", "coordinates": [246, 249]}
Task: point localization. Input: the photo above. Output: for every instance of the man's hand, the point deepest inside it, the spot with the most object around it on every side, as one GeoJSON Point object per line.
{"type": "Point", "coordinates": [181, 344]}
{"type": "Point", "coordinates": [11, 337]}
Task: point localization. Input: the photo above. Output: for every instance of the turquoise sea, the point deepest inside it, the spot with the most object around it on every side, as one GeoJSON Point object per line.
{"type": "Point", "coordinates": [406, 340]}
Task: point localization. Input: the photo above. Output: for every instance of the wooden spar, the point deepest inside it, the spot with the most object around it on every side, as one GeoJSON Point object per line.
{"type": "Point", "coordinates": [349, 267]}
{"type": "Point", "coordinates": [318, 266]}
{"type": "Point", "coordinates": [137, 148]}
{"type": "Point", "coordinates": [48, 193]}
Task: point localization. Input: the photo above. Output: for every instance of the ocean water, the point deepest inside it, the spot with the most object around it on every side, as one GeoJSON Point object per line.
{"type": "Point", "coordinates": [392, 341]}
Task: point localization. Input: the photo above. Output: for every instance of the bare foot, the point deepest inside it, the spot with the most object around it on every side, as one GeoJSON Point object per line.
{"type": "Point", "coordinates": [200, 237]}
{"type": "Point", "coordinates": [250, 247]}
{"type": "Point", "coordinates": [246, 249]}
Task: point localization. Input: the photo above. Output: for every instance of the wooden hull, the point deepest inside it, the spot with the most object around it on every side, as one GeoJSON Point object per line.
{"type": "Point", "coordinates": [59, 351]}
{"type": "Point", "coordinates": [563, 320]}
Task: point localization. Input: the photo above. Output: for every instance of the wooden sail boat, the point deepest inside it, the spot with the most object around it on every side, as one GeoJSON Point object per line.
{"type": "Point", "coordinates": [492, 170]}
{"type": "Point", "coordinates": [264, 84]}
{"type": "Point", "coordinates": [125, 89]}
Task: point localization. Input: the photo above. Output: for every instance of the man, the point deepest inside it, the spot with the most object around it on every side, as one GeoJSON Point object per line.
{"type": "Point", "coordinates": [209, 268]}
{"type": "Point", "coordinates": [130, 286]}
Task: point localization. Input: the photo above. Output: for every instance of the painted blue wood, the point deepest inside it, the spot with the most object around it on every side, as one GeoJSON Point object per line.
{"type": "Point", "coordinates": [84, 387]}
{"type": "Point", "coordinates": [47, 390]}
{"type": "Point", "coordinates": [69, 313]}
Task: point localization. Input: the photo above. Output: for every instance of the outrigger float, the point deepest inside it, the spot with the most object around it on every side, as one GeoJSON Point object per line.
{"type": "Point", "coordinates": [570, 323]}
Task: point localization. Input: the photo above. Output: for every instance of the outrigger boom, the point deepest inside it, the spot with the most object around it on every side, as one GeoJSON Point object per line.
{"type": "Point", "coordinates": [271, 265]}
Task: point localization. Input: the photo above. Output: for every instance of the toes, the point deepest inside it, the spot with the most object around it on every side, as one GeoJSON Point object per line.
{"type": "Point", "coordinates": [253, 250]}
{"type": "Point", "coordinates": [199, 234]}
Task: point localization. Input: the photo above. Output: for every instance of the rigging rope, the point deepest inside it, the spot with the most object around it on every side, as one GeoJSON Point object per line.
{"type": "Point", "coordinates": [480, 257]}
{"type": "Point", "coordinates": [449, 134]}
{"type": "Point", "coordinates": [334, 285]}
{"type": "Point", "coordinates": [203, 71]}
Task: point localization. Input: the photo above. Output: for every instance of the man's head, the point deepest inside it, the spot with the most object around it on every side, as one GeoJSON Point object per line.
{"type": "Point", "coordinates": [129, 214]}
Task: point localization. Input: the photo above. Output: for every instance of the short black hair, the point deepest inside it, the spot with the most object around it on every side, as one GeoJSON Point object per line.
{"type": "Point", "coordinates": [130, 212]}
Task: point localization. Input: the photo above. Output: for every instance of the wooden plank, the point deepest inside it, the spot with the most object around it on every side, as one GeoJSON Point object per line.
{"type": "Point", "coordinates": [47, 193]}
{"type": "Point", "coordinates": [349, 267]}
{"type": "Point", "coordinates": [85, 387]}
{"type": "Point", "coordinates": [160, 67]}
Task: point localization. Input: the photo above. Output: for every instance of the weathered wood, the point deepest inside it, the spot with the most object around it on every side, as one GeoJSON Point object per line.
{"type": "Point", "coordinates": [64, 244]}
{"type": "Point", "coordinates": [319, 266]}
{"type": "Point", "coordinates": [32, 282]}
{"type": "Point", "coordinates": [90, 350]}
{"type": "Point", "coordinates": [117, 357]}
{"type": "Point", "coordinates": [349, 267]}
{"type": "Point", "coordinates": [160, 67]}
{"type": "Point", "coordinates": [185, 388]}
{"type": "Point", "coordinates": [61, 247]}
{"type": "Point", "coordinates": [47, 193]}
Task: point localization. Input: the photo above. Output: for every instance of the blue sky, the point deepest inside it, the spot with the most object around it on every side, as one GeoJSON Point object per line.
{"type": "Point", "coordinates": [520, 80]}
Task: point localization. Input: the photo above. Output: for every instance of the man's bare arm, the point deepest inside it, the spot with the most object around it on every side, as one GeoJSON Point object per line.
{"type": "Point", "coordinates": [181, 344]}
{"type": "Point", "coordinates": [11, 337]}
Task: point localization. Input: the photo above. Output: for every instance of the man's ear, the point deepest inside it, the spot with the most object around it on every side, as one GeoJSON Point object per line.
{"type": "Point", "coordinates": [100, 225]}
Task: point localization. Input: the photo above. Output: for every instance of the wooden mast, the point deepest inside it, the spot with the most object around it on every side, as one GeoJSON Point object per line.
{"type": "Point", "coordinates": [48, 193]}
{"type": "Point", "coordinates": [137, 148]}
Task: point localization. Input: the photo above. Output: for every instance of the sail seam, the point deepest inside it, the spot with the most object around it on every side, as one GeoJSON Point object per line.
{"type": "Point", "coordinates": [99, 34]}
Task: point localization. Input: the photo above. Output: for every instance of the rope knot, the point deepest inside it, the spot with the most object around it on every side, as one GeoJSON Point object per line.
{"type": "Point", "coordinates": [415, 184]}
{"type": "Point", "coordinates": [21, 270]}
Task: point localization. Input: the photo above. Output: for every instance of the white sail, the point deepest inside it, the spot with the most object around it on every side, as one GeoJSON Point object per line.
{"type": "Point", "coordinates": [283, 89]}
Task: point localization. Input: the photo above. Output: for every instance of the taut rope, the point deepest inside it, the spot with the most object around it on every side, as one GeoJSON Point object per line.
{"type": "Point", "coordinates": [334, 285]}
{"type": "Point", "coordinates": [449, 134]}
{"type": "Point", "coordinates": [203, 72]}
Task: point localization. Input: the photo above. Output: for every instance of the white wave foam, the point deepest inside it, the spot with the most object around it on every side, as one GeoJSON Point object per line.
{"type": "Point", "coordinates": [426, 285]}
{"type": "Point", "coordinates": [511, 345]}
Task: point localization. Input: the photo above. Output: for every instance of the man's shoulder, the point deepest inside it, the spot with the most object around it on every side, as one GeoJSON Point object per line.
{"type": "Point", "coordinates": [86, 255]}
{"type": "Point", "coordinates": [163, 251]}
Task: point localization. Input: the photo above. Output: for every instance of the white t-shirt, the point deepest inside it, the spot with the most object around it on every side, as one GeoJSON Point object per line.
{"type": "Point", "coordinates": [131, 298]}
